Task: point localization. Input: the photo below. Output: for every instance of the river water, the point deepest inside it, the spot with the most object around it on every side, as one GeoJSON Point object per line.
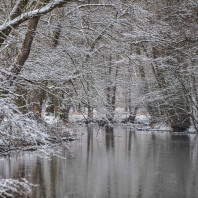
{"type": "Point", "coordinates": [112, 163]}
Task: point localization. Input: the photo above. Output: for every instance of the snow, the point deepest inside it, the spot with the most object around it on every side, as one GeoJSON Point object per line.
{"type": "Point", "coordinates": [18, 128]}
{"type": "Point", "coordinates": [76, 117]}
{"type": "Point", "coordinates": [50, 119]}
{"type": "Point", "coordinates": [192, 129]}
{"type": "Point", "coordinates": [143, 119]}
{"type": "Point", "coordinates": [162, 127]}
{"type": "Point", "coordinates": [12, 187]}
{"type": "Point", "coordinates": [25, 16]}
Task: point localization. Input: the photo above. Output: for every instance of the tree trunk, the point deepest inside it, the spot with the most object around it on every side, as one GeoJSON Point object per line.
{"type": "Point", "coordinates": [32, 25]}
{"type": "Point", "coordinates": [38, 94]}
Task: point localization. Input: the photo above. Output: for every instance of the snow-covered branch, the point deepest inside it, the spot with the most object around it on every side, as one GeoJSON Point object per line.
{"type": "Point", "coordinates": [29, 15]}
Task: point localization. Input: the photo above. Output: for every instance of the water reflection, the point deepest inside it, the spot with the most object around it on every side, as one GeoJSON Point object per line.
{"type": "Point", "coordinates": [180, 166]}
{"type": "Point", "coordinates": [109, 133]}
{"type": "Point", "coordinates": [113, 163]}
{"type": "Point", "coordinates": [89, 143]}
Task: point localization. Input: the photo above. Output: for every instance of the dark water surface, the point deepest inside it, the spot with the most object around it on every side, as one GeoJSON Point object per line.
{"type": "Point", "coordinates": [113, 163]}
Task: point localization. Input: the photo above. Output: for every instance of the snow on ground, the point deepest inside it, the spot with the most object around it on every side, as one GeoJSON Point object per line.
{"type": "Point", "coordinates": [120, 114]}
{"type": "Point", "coordinates": [50, 119]}
{"type": "Point", "coordinates": [142, 119]}
{"type": "Point", "coordinates": [162, 127]}
{"type": "Point", "coordinates": [192, 129]}
{"type": "Point", "coordinates": [76, 117]}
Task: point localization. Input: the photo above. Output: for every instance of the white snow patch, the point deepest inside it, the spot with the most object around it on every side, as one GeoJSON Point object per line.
{"type": "Point", "coordinates": [192, 129]}
{"type": "Point", "coordinates": [162, 127]}
{"type": "Point", "coordinates": [142, 119]}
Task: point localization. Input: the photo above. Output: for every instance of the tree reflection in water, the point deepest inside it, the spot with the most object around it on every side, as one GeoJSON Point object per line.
{"type": "Point", "coordinates": [109, 134]}
{"type": "Point", "coordinates": [113, 163]}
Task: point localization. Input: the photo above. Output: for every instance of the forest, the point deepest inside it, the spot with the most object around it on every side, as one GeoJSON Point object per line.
{"type": "Point", "coordinates": [96, 56]}
{"type": "Point", "coordinates": [92, 57]}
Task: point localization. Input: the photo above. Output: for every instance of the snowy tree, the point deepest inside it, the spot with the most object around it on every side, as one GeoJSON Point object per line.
{"type": "Point", "coordinates": [175, 29]}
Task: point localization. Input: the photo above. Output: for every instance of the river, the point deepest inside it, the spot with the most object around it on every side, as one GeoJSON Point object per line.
{"type": "Point", "coordinates": [114, 162]}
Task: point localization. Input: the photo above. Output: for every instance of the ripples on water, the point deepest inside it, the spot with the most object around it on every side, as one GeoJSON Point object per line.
{"type": "Point", "coordinates": [113, 163]}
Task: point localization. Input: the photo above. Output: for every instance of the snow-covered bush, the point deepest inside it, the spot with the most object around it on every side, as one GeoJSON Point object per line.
{"type": "Point", "coordinates": [14, 188]}
{"type": "Point", "coordinates": [16, 126]}
{"type": "Point", "coordinates": [18, 129]}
